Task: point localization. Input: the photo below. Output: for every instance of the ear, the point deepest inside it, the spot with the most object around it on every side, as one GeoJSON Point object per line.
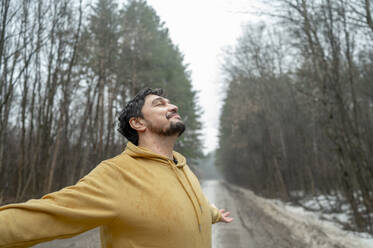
{"type": "Point", "coordinates": [137, 124]}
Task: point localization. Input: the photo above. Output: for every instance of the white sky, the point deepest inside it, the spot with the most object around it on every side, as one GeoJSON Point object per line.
{"type": "Point", "coordinates": [202, 29]}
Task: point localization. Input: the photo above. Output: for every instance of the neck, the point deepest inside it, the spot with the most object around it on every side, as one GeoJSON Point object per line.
{"type": "Point", "coordinates": [163, 145]}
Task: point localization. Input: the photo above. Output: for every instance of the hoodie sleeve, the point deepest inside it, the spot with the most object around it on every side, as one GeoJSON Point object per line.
{"type": "Point", "coordinates": [215, 214]}
{"type": "Point", "coordinates": [62, 214]}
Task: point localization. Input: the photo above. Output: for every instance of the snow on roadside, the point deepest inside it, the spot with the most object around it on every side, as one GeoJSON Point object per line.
{"type": "Point", "coordinates": [333, 208]}
{"type": "Point", "coordinates": [332, 229]}
{"type": "Point", "coordinates": [307, 226]}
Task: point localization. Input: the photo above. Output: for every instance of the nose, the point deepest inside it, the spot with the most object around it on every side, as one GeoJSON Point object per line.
{"type": "Point", "coordinates": [173, 108]}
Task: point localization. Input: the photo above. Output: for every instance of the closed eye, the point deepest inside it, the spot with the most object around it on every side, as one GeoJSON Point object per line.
{"type": "Point", "coordinates": [160, 101]}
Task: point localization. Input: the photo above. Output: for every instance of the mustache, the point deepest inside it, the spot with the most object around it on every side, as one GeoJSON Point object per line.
{"type": "Point", "coordinates": [170, 114]}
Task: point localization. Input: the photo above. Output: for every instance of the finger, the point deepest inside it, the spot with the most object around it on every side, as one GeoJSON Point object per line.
{"type": "Point", "coordinates": [228, 219]}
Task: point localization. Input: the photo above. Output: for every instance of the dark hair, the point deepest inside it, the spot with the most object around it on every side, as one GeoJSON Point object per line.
{"type": "Point", "coordinates": [133, 109]}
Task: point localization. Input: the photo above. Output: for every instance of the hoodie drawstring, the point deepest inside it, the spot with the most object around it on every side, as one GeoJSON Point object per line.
{"type": "Point", "coordinates": [189, 196]}
{"type": "Point", "coordinates": [195, 194]}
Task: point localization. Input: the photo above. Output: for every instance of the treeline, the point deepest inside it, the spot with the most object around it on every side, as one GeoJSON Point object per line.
{"type": "Point", "coordinates": [298, 113]}
{"type": "Point", "coordinates": [67, 69]}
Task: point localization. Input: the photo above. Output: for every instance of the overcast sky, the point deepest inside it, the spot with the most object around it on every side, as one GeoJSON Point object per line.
{"type": "Point", "coordinates": [202, 29]}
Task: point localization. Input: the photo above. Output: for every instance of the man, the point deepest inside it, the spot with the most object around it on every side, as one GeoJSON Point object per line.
{"type": "Point", "coordinates": [145, 197]}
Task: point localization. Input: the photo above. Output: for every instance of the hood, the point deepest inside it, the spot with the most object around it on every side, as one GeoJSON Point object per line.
{"type": "Point", "coordinates": [141, 152]}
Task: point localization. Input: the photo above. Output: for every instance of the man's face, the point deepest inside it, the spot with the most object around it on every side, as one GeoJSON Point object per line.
{"type": "Point", "coordinates": [161, 116]}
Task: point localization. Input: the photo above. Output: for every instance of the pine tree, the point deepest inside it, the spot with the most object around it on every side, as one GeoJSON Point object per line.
{"type": "Point", "coordinates": [148, 58]}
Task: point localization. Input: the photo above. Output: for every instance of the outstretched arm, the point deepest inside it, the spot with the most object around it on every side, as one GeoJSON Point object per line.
{"type": "Point", "coordinates": [61, 214]}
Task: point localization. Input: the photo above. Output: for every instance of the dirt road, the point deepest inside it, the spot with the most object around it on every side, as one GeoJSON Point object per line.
{"type": "Point", "coordinates": [258, 223]}
{"type": "Point", "coordinates": [250, 228]}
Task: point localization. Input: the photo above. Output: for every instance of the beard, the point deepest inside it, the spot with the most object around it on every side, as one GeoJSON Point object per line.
{"type": "Point", "coordinates": [175, 128]}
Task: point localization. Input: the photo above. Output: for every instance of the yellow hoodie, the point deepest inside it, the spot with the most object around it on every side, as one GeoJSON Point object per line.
{"type": "Point", "coordinates": [138, 198]}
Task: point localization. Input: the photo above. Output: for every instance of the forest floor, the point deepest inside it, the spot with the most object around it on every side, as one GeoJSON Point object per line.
{"type": "Point", "coordinates": [258, 223]}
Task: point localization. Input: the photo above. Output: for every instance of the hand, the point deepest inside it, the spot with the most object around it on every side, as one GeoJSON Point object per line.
{"type": "Point", "coordinates": [225, 216]}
